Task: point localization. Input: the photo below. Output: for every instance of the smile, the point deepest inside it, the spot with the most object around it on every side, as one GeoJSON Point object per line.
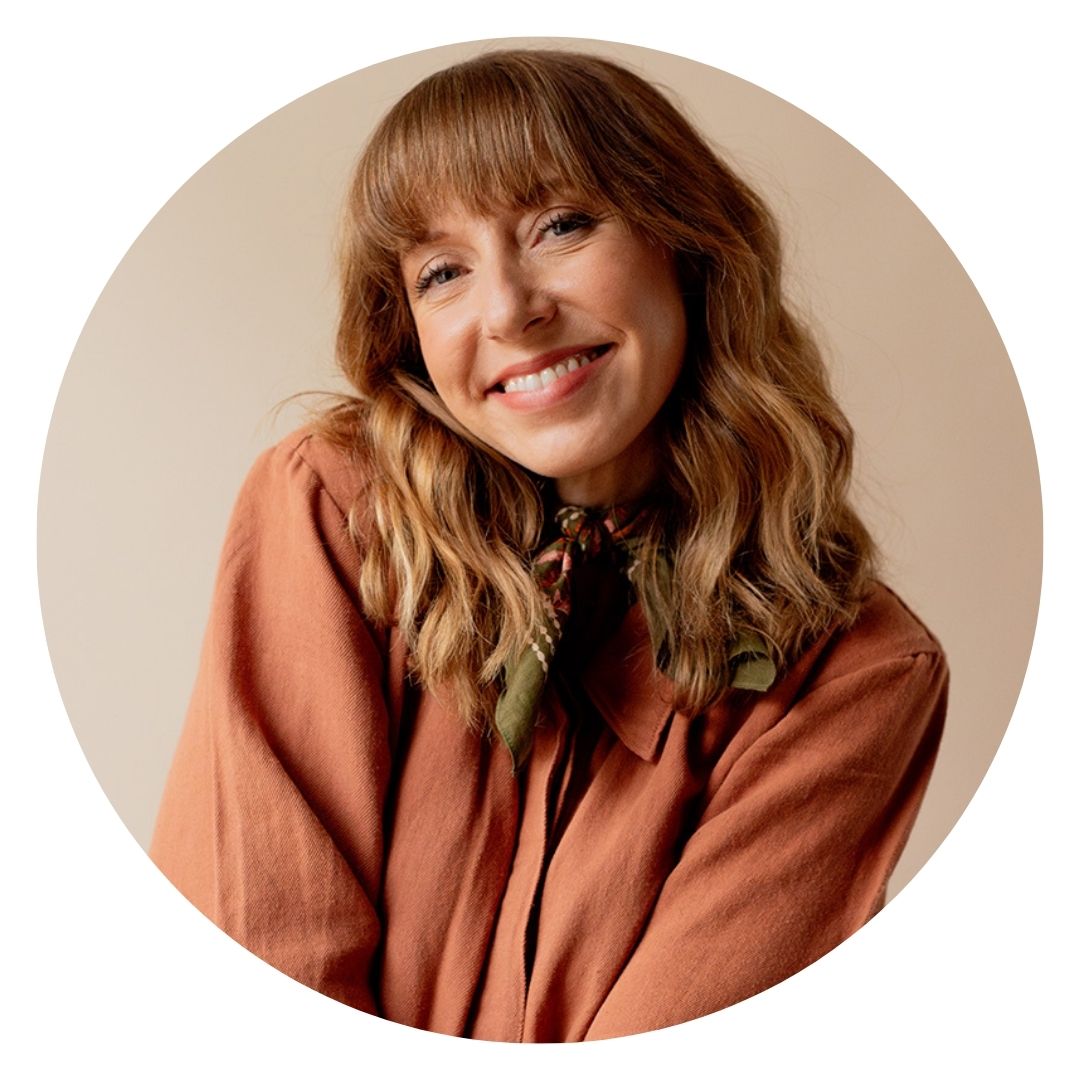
{"type": "Point", "coordinates": [540, 380]}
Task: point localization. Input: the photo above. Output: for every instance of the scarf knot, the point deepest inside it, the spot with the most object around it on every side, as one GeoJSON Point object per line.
{"type": "Point", "coordinates": [584, 535]}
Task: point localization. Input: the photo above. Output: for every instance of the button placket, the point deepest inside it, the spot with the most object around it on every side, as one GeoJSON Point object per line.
{"type": "Point", "coordinates": [552, 775]}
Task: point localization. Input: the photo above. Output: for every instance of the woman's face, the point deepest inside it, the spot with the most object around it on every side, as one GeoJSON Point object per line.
{"type": "Point", "coordinates": [554, 335]}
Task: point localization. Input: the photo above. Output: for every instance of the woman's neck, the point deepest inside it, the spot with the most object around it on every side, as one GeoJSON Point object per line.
{"type": "Point", "coordinates": [625, 479]}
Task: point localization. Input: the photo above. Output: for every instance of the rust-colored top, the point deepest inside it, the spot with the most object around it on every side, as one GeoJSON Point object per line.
{"type": "Point", "coordinates": [645, 868]}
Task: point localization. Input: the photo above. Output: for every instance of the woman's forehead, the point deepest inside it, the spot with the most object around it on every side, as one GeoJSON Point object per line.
{"type": "Point", "coordinates": [439, 213]}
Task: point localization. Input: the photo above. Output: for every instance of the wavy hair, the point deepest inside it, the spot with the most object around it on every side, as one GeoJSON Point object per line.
{"type": "Point", "coordinates": [752, 529]}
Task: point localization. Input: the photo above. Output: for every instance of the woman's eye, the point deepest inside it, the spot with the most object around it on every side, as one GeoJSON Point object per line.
{"type": "Point", "coordinates": [440, 274]}
{"type": "Point", "coordinates": [563, 224]}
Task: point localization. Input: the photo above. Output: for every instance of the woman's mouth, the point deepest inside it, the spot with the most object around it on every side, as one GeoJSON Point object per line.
{"type": "Point", "coordinates": [542, 379]}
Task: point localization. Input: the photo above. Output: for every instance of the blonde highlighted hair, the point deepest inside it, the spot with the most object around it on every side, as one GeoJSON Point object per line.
{"type": "Point", "coordinates": [752, 529]}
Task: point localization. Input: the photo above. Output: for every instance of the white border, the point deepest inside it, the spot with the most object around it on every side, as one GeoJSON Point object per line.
{"type": "Point", "coordinates": [109, 107]}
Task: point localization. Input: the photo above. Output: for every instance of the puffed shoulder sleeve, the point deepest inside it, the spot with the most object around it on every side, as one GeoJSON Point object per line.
{"type": "Point", "coordinates": [795, 845]}
{"type": "Point", "coordinates": [271, 818]}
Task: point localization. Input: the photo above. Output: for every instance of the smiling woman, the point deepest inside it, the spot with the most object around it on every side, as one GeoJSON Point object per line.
{"type": "Point", "coordinates": [554, 335]}
{"type": "Point", "coordinates": [548, 693]}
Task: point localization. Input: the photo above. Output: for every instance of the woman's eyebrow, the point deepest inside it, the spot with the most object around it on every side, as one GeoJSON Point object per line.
{"type": "Point", "coordinates": [537, 197]}
{"type": "Point", "coordinates": [427, 238]}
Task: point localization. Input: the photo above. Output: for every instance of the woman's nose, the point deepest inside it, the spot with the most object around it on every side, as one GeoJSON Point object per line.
{"type": "Point", "coordinates": [514, 300]}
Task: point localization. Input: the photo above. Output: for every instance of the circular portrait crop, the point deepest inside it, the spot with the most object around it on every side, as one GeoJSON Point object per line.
{"type": "Point", "coordinates": [558, 540]}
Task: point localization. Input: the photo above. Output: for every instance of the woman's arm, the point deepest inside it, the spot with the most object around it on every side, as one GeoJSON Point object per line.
{"type": "Point", "coordinates": [271, 819]}
{"type": "Point", "coordinates": [794, 849]}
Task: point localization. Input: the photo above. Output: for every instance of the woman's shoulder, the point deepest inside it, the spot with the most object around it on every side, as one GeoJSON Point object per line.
{"type": "Point", "coordinates": [299, 491]}
{"type": "Point", "coordinates": [307, 460]}
{"type": "Point", "coordinates": [886, 631]}
{"type": "Point", "coordinates": [885, 620]}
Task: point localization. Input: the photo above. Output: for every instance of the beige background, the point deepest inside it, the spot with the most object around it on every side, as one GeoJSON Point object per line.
{"type": "Point", "coordinates": [225, 305]}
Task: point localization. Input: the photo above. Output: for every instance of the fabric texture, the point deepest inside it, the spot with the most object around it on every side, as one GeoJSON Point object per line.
{"type": "Point", "coordinates": [642, 868]}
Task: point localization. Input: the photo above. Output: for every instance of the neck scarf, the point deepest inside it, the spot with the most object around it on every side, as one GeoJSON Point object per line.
{"type": "Point", "coordinates": [588, 534]}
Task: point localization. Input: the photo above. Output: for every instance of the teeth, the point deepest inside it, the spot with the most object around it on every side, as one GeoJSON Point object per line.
{"type": "Point", "coordinates": [539, 380]}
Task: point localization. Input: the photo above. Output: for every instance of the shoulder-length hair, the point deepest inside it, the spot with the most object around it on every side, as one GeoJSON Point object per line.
{"type": "Point", "coordinates": [752, 529]}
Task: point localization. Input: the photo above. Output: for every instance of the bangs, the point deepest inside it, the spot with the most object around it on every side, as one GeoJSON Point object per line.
{"type": "Point", "coordinates": [500, 132]}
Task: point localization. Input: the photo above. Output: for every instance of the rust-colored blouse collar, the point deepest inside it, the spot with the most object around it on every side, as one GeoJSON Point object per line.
{"type": "Point", "coordinates": [635, 698]}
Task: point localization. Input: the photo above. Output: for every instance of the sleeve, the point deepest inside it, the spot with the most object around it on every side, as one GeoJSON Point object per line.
{"type": "Point", "coordinates": [794, 849]}
{"type": "Point", "coordinates": [270, 822]}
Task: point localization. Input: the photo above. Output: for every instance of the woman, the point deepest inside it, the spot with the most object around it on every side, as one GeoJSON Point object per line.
{"type": "Point", "coordinates": [548, 694]}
